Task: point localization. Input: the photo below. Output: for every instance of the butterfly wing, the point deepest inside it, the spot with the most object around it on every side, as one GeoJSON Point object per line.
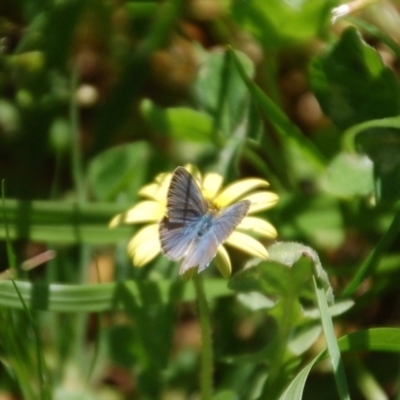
{"type": "Point", "coordinates": [176, 238]}
{"type": "Point", "coordinates": [227, 221]}
{"type": "Point", "coordinates": [185, 207]}
{"type": "Point", "coordinates": [203, 249]}
{"type": "Point", "coordinates": [185, 202]}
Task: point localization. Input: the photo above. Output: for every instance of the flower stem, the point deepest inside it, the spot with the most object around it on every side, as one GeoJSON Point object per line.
{"type": "Point", "coordinates": [206, 380]}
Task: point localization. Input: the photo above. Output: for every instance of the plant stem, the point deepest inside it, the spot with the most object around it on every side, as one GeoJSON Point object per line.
{"type": "Point", "coordinates": [206, 380]}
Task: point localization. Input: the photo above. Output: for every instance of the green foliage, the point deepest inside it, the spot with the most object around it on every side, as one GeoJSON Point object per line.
{"type": "Point", "coordinates": [119, 171]}
{"type": "Point", "coordinates": [179, 123]}
{"type": "Point", "coordinates": [350, 175]}
{"type": "Point", "coordinates": [97, 98]}
{"type": "Point", "coordinates": [343, 78]}
{"type": "Point", "coordinates": [276, 22]}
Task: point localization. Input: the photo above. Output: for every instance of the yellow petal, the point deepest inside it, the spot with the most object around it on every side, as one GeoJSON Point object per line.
{"type": "Point", "coordinates": [163, 178]}
{"type": "Point", "coordinates": [158, 189]}
{"type": "Point", "coordinates": [247, 244]}
{"type": "Point", "coordinates": [237, 189]}
{"type": "Point", "coordinates": [212, 182]}
{"type": "Point", "coordinates": [145, 211]}
{"type": "Point", "coordinates": [145, 245]}
{"type": "Point", "coordinates": [261, 201]}
{"type": "Point", "coordinates": [194, 171]}
{"type": "Point", "coordinates": [147, 233]}
{"type": "Point", "coordinates": [143, 256]}
{"type": "Point", "coordinates": [117, 220]}
{"type": "Point", "coordinates": [223, 262]}
{"type": "Point", "coordinates": [258, 226]}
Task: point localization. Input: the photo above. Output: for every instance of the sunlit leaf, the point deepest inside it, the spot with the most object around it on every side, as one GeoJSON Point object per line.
{"type": "Point", "coordinates": [349, 175]}
{"type": "Point", "coordinates": [178, 123]}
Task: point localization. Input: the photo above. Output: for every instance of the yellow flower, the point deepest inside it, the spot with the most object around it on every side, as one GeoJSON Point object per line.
{"type": "Point", "coordinates": [145, 244]}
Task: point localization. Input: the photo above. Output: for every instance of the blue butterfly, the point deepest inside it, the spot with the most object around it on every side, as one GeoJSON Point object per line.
{"type": "Point", "coordinates": [192, 230]}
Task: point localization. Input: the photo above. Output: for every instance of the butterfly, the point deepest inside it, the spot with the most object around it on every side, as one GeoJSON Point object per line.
{"type": "Point", "coordinates": [192, 229]}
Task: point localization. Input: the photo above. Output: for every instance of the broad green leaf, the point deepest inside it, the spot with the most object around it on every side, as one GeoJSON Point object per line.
{"type": "Point", "coordinates": [119, 171]}
{"type": "Point", "coordinates": [178, 123]}
{"type": "Point", "coordinates": [272, 278]}
{"type": "Point", "coordinates": [349, 175]}
{"type": "Point", "coordinates": [288, 271]}
{"type": "Point", "coordinates": [304, 337]}
{"type": "Point", "coordinates": [290, 254]}
{"type": "Point", "coordinates": [352, 84]}
{"type": "Point", "coordinates": [255, 301]}
{"type": "Point", "coordinates": [376, 32]}
{"type": "Point", "coordinates": [276, 22]}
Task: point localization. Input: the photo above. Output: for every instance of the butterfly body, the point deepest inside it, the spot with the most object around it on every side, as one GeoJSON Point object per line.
{"type": "Point", "coordinates": [203, 226]}
{"type": "Point", "coordinates": [193, 229]}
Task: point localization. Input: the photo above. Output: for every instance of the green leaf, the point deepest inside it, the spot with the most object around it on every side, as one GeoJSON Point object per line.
{"type": "Point", "coordinates": [226, 395]}
{"type": "Point", "coordinates": [284, 285]}
{"type": "Point", "coordinates": [383, 147]}
{"type": "Point", "coordinates": [63, 222]}
{"type": "Point", "coordinates": [291, 253]}
{"type": "Point", "coordinates": [335, 309]}
{"type": "Point", "coordinates": [255, 301]}
{"type": "Point", "coordinates": [318, 219]}
{"type": "Point", "coordinates": [220, 90]}
{"type": "Point", "coordinates": [380, 339]}
{"type": "Point", "coordinates": [380, 140]}
{"type": "Point", "coordinates": [96, 297]}
{"type": "Point", "coordinates": [286, 129]}
{"type": "Point", "coordinates": [352, 84]}
{"type": "Point", "coordinates": [119, 171]}
{"type": "Point", "coordinates": [349, 136]}
{"type": "Point", "coordinates": [376, 255]}
{"type": "Point", "coordinates": [286, 277]}
{"type": "Point", "coordinates": [287, 271]}
{"type": "Point", "coordinates": [376, 32]}
{"type": "Point", "coordinates": [272, 278]}
{"type": "Point", "coordinates": [304, 337]}
{"type": "Point", "coordinates": [349, 175]}
{"type": "Point", "coordinates": [277, 22]}
{"type": "Point", "coordinates": [331, 343]}
{"type": "Point", "coordinates": [178, 123]}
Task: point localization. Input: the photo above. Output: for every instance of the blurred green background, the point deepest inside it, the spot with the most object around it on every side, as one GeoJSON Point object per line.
{"type": "Point", "coordinates": [97, 97]}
